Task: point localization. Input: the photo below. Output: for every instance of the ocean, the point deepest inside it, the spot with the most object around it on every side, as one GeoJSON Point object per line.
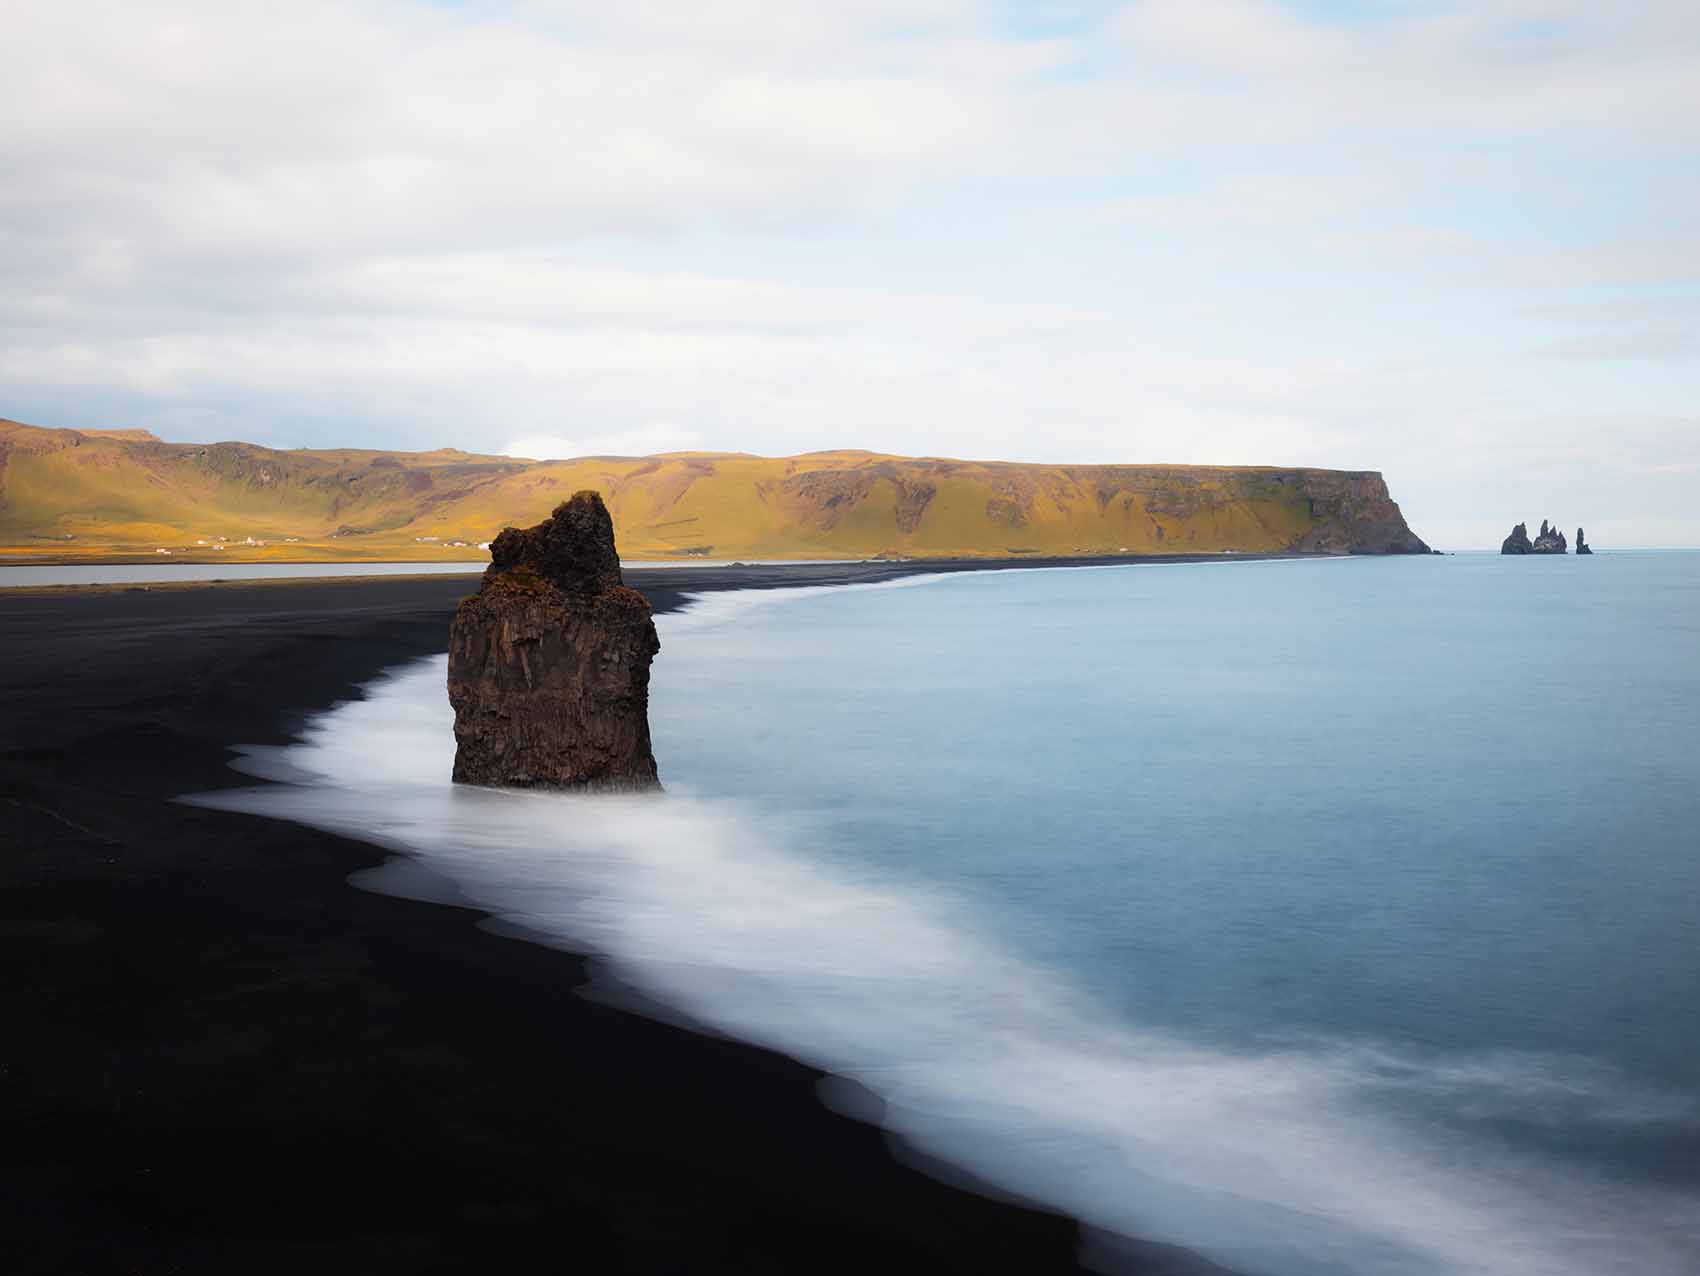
{"type": "Point", "coordinates": [1322, 916]}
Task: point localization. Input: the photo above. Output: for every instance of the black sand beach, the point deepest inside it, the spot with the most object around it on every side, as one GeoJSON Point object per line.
{"type": "Point", "coordinates": [220, 1057]}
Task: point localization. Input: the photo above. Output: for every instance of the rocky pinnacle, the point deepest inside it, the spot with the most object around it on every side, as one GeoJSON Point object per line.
{"type": "Point", "coordinates": [1549, 541]}
{"type": "Point", "coordinates": [549, 662]}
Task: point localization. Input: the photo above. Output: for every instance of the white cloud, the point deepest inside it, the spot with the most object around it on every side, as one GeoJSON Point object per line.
{"type": "Point", "coordinates": [644, 441]}
{"type": "Point", "coordinates": [1217, 230]}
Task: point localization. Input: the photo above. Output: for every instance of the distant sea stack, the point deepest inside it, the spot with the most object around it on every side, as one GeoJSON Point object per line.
{"type": "Point", "coordinates": [1550, 541]}
{"type": "Point", "coordinates": [549, 662]}
{"type": "Point", "coordinates": [1582, 546]}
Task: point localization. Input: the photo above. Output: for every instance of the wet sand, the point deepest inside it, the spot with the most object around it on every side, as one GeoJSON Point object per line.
{"type": "Point", "coordinates": [220, 1057]}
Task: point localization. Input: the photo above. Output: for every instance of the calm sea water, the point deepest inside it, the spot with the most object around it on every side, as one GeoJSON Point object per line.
{"type": "Point", "coordinates": [1324, 916]}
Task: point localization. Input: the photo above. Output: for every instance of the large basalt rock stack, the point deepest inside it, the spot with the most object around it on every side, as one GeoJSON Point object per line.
{"type": "Point", "coordinates": [549, 662]}
{"type": "Point", "coordinates": [1549, 541]}
{"type": "Point", "coordinates": [1518, 541]}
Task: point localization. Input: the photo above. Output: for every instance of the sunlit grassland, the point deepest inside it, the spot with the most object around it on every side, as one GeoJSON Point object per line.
{"type": "Point", "coordinates": [71, 494]}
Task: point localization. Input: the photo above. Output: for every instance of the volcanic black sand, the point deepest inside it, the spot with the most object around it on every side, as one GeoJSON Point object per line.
{"type": "Point", "coordinates": [217, 1056]}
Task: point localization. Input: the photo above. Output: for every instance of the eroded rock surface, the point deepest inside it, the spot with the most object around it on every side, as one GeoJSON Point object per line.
{"type": "Point", "coordinates": [1518, 541]}
{"type": "Point", "coordinates": [1549, 541]}
{"type": "Point", "coordinates": [549, 662]}
{"type": "Point", "coordinates": [1355, 514]}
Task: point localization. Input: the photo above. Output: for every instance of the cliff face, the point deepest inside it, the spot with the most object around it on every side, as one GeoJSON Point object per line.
{"type": "Point", "coordinates": [68, 490]}
{"type": "Point", "coordinates": [1355, 514]}
{"type": "Point", "coordinates": [549, 662]}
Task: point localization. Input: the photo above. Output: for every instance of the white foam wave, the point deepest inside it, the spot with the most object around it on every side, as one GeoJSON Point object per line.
{"type": "Point", "coordinates": [717, 607]}
{"type": "Point", "coordinates": [1281, 1162]}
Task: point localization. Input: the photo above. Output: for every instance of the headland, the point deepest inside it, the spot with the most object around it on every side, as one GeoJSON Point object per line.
{"type": "Point", "coordinates": [86, 495]}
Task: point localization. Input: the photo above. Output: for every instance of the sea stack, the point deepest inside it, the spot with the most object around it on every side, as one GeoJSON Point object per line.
{"type": "Point", "coordinates": [1582, 546]}
{"type": "Point", "coordinates": [549, 662]}
{"type": "Point", "coordinates": [1550, 541]}
{"type": "Point", "coordinates": [1518, 541]}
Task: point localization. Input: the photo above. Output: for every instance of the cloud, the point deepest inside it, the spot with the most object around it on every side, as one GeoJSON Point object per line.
{"type": "Point", "coordinates": [643, 441]}
{"type": "Point", "coordinates": [1675, 345]}
{"type": "Point", "coordinates": [1218, 230]}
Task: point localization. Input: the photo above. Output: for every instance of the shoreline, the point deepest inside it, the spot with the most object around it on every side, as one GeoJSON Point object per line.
{"type": "Point", "coordinates": [744, 575]}
{"type": "Point", "coordinates": [225, 1057]}
{"type": "Point", "coordinates": [143, 558]}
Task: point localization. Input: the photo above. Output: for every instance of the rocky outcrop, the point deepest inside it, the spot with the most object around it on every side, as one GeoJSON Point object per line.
{"type": "Point", "coordinates": [549, 662]}
{"type": "Point", "coordinates": [1582, 546]}
{"type": "Point", "coordinates": [1549, 541]}
{"type": "Point", "coordinates": [1355, 514]}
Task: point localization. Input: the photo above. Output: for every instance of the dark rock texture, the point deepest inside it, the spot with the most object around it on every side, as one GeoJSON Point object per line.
{"type": "Point", "coordinates": [1582, 546]}
{"type": "Point", "coordinates": [549, 662]}
{"type": "Point", "coordinates": [1550, 541]}
{"type": "Point", "coordinates": [1355, 514]}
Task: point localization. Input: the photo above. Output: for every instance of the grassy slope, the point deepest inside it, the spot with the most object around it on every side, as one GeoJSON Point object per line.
{"type": "Point", "coordinates": [73, 493]}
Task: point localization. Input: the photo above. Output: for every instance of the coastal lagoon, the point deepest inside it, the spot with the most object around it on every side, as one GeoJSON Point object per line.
{"type": "Point", "coordinates": [1322, 916]}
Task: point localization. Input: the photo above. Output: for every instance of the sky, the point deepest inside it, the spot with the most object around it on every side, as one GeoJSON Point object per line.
{"type": "Point", "coordinates": [1457, 243]}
